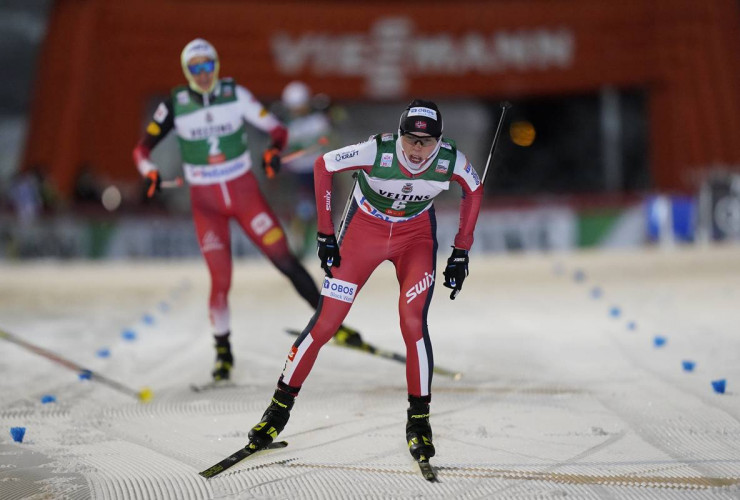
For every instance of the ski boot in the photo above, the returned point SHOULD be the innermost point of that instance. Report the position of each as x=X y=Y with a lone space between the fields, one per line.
x=418 y=430
x=273 y=420
x=348 y=336
x=224 y=358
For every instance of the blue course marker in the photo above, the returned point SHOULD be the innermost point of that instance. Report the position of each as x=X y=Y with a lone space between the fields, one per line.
x=688 y=365
x=129 y=335
x=163 y=306
x=148 y=319
x=615 y=312
x=103 y=352
x=632 y=325
x=596 y=292
x=719 y=385
x=17 y=433
x=659 y=341
x=85 y=375
x=579 y=275
x=48 y=398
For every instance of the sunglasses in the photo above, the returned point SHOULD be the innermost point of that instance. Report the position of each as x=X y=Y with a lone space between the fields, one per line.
x=207 y=67
x=424 y=142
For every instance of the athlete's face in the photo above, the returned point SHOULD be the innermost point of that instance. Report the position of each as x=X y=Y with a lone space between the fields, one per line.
x=418 y=146
x=202 y=68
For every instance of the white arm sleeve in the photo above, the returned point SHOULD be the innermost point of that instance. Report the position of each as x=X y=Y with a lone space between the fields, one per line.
x=254 y=112
x=353 y=156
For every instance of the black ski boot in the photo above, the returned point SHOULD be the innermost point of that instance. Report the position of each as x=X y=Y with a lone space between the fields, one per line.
x=273 y=420
x=348 y=336
x=224 y=358
x=418 y=430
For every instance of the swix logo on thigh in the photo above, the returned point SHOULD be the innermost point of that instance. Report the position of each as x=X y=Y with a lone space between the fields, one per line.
x=261 y=223
x=338 y=289
x=211 y=242
x=419 y=288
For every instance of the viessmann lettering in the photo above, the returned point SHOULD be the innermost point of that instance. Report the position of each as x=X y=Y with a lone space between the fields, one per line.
x=421 y=54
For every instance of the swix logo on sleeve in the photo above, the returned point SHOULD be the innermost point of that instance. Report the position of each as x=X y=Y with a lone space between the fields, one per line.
x=418 y=289
x=338 y=289
x=327 y=200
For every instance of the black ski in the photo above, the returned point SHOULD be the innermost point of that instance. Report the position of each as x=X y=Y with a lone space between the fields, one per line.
x=376 y=351
x=213 y=384
x=426 y=469
x=237 y=457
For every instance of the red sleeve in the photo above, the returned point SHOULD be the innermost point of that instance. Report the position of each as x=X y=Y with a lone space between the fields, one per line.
x=322 y=181
x=141 y=152
x=279 y=137
x=469 y=210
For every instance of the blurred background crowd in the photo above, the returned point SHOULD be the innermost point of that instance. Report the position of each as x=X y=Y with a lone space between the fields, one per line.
x=621 y=134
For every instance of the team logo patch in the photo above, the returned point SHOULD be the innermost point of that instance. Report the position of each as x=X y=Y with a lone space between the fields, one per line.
x=183 y=97
x=261 y=223
x=445 y=145
x=442 y=166
x=161 y=113
x=338 y=289
x=153 y=129
x=273 y=235
x=228 y=91
x=407 y=188
x=386 y=159
x=386 y=137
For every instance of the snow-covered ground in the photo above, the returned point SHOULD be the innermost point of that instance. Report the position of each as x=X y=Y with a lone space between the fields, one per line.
x=573 y=387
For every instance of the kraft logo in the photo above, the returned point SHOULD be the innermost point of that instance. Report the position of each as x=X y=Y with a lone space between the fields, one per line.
x=339 y=290
x=346 y=155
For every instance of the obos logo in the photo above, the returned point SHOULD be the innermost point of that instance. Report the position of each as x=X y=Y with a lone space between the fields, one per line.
x=338 y=289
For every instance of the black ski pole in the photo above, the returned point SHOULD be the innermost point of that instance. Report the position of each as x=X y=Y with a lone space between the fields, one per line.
x=505 y=105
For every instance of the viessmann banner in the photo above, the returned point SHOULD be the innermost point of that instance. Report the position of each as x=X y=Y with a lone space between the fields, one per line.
x=393 y=50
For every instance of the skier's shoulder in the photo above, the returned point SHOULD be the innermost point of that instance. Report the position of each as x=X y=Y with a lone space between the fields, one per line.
x=384 y=139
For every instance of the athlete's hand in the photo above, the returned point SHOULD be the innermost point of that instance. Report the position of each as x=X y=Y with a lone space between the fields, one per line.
x=271 y=161
x=328 y=252
x=456 y=271
x=153 y=182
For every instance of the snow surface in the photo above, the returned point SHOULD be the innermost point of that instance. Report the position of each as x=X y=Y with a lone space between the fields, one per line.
x=566 y=392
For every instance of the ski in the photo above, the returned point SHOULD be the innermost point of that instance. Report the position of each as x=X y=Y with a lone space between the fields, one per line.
x=376 y=351
x=213 y=384
x=426 y=469
x=237 y=457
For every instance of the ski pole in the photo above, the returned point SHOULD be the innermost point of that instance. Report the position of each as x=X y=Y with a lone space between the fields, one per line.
x=322 y=141
x=144 y=394
x=504 y=108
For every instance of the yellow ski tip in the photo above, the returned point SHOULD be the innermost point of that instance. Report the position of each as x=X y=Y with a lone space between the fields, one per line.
x=146 y=395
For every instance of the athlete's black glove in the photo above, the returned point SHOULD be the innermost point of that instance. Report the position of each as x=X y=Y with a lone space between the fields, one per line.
x=152 y=182
x=271 y=161
x=456 y=271
x=328 y=252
